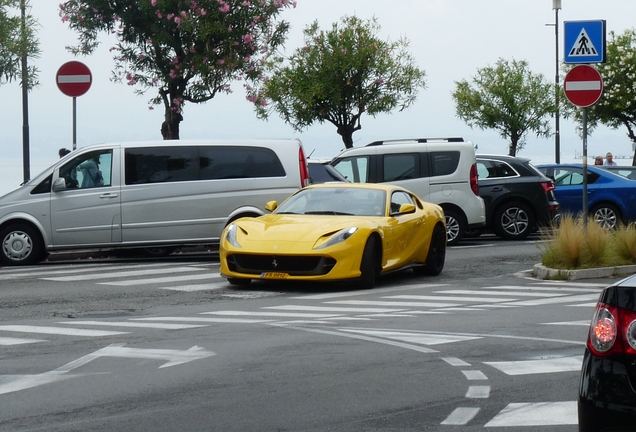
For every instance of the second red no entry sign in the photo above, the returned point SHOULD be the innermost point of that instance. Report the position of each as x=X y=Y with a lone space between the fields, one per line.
x=583 y=86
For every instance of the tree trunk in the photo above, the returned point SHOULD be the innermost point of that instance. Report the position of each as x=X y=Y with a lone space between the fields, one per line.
x=170 y=126
x=346 y=132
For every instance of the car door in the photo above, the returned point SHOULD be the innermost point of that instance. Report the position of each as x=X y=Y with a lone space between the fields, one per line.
x=402 y=236
x=569 y=188
x=87 y=210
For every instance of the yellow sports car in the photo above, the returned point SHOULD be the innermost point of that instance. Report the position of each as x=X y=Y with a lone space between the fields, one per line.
x=333 y=231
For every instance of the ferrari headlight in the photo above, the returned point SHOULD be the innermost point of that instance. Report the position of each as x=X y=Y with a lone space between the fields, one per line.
x=338 y=237
x=230 y=235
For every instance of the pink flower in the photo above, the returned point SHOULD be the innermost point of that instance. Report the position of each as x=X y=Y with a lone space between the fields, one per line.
x=153 y=2
x=177 y=20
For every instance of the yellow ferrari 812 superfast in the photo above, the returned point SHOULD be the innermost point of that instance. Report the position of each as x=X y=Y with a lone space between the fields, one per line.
x=336 y=232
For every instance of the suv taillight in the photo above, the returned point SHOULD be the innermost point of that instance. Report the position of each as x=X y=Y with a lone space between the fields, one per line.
x=474 y=185
x=304 y=170
x=548 y=186
x=613 y=330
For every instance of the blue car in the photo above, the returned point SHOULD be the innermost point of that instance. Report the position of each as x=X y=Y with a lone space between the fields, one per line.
x=611 y=198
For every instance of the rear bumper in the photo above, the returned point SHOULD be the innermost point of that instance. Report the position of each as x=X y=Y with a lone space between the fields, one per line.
x=607 y=399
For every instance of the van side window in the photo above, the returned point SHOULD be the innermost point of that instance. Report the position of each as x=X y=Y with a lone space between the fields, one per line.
x=355 y=169
x=43 y=187
x=88 y=170
x=444 y=162
x=226 y=162
x=400 y=166
x=161 y=164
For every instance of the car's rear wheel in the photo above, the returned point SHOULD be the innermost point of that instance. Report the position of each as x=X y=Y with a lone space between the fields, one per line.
x=455 y=227
x=436 y=254
x=21 y=245
x=606 y=215
x=514 y=221
x=239 y=281
x=369 y=266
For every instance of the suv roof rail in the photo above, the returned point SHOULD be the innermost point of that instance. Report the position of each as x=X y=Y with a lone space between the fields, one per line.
x=416 y=140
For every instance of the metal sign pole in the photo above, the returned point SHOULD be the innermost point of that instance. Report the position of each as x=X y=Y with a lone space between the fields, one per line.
x=585 y=167
x=74 y=123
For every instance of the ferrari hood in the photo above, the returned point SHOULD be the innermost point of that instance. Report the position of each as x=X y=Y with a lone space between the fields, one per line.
x=298 y=228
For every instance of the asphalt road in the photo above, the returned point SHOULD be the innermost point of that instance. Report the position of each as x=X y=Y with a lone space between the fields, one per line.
x=106 y=345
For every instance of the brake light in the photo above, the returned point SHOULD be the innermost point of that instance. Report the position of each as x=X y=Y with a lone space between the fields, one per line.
x=474 y=185
x=613 y=330
x=304 y=170
x=548 y=186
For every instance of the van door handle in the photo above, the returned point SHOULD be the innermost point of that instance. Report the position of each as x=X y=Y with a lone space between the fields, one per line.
x=108 y=195
x=497 y=189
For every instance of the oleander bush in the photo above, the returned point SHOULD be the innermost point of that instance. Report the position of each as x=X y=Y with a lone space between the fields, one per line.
x=578 y=244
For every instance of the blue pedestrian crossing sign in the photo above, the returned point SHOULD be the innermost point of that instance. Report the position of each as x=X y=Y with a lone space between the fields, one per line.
x=584 y=41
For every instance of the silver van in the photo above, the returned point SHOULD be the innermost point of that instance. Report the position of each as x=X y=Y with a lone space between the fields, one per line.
x=153 y=194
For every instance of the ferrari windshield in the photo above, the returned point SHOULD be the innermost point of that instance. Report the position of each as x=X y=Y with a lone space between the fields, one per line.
x=336 y=201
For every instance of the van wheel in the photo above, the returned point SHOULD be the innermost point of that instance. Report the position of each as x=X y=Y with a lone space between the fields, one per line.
x=21 y=245
x=436 y=254
x=239 y=281
x=455 y=227
x=514 y=221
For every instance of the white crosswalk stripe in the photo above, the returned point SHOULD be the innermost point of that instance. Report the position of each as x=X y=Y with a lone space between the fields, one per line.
x=536 y=414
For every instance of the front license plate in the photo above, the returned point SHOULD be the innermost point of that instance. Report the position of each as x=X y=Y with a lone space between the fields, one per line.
x=274 y=275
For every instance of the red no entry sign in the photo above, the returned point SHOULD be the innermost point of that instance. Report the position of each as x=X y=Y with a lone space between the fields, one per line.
x=583 y=86
x=73 y=78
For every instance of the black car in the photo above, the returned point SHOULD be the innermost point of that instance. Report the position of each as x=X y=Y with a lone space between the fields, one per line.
x=517 y=196
x=607 y=389
x=322 y=172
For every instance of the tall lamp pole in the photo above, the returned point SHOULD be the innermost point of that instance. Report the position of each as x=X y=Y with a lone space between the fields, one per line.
x=25 y=97
x=556 y=5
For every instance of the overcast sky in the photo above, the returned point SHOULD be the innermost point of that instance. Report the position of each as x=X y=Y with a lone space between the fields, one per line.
x=450 y=40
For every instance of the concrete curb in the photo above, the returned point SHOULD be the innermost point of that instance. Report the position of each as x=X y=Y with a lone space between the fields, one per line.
x=542 y=272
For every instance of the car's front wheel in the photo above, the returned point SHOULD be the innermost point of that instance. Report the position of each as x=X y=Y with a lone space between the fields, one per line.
x=606 y=215
x=436 y=254
x=369 y=266
x=21 y=245
x=514 y=221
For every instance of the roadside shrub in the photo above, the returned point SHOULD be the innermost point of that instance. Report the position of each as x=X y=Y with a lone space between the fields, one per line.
x=625 y=243
x=597 y=241
x=564 y=245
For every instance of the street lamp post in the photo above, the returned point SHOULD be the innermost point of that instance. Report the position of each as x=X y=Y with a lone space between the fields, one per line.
x=556 y=5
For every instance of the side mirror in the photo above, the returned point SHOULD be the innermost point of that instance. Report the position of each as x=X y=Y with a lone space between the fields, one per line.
x=407 y=208
x=59 y=185
x=271 y=206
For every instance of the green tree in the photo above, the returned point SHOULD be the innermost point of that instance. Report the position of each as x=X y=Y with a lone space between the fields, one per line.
x=617 y=106
x=16 y=43
x=338 y=75
x=188 y=50
x=508 y=98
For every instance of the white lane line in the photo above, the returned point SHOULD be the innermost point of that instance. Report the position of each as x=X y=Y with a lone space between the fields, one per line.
x=363 y=293
x=59 y=331
x=543 y=366
x=6 y=341
x=539 y=288
x=583 y=323
x=536 y=414
x=460 y=299
x=478 y=392
x=414 y=337
x=555 y=300
x=271 y=314
x=501 y=293
x=135 y=324
x=574 y=284
x=454 y=361
x=206 y=320
x=587 y=305
x=394 y=303
x=198 y=287
x=334 y=309
x=167 y=279
x=474 y=375
x=461 y=416
x=120 y=274
x=68 y=270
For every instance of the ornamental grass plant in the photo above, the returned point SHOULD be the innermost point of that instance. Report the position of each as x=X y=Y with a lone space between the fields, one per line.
x=575 y=244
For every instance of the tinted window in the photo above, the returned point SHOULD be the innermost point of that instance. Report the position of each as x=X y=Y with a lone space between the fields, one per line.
x=161 y=164
x=239 y=162
x=400 y=166
x=43 y=187
x=444 y=162
x=572 y=176
x=88 y=170
x=323 y=173
x=355 y=169
x=494 y=169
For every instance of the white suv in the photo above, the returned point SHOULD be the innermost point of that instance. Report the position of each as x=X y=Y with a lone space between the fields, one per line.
x=439 y=170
